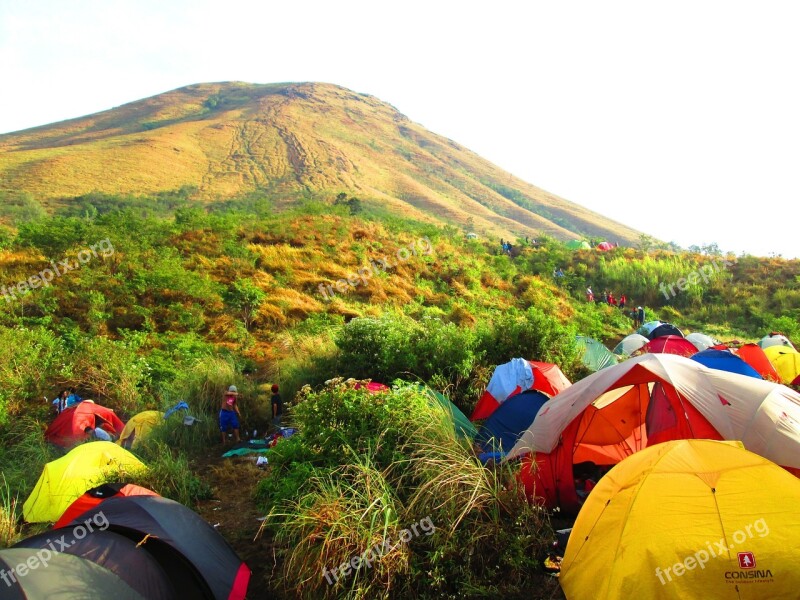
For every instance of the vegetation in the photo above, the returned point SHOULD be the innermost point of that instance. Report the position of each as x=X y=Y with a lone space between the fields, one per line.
x=178 y=301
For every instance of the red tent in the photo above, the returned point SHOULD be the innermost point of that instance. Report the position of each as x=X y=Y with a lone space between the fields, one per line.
x=671 y=344
x=97 y=495
x=68 y=427
x=604 y=246
x=517 y=376
x=754 y=356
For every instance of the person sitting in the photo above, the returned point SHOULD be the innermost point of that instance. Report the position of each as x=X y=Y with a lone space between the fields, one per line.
x=229 y=414
x=98 y=434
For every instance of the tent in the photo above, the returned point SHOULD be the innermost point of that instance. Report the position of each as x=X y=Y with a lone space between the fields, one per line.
x=98 y=494
x=578 y=245
x=646 y=400
x=725 y=360
x=68 y=427
x=65 y=576
x=516 y=376
x=176 y=532
x=66 y=478
x=111 y=551
x=504 y=426
x=685 y=520
x=630 y=344
x=786 y=361
x=373 y=387
x=670 y=344
x=463 y=426
x=775 y=339
x=647 y=328
x=754 y=356
x=604 y=246
x=595 y=356
x=701 y=341
x=664 y=329
x=137 y=428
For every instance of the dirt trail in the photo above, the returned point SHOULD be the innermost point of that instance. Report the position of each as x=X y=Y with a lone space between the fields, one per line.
x=234 y=514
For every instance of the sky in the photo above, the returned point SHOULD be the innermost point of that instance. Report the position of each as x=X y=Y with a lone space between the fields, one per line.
x=679 y=119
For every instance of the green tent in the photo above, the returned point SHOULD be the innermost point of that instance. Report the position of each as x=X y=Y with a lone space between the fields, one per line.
x=463 y=426
x=595 y=356
x=578 y=245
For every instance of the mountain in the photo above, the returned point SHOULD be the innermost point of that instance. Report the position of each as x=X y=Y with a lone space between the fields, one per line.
x=291 y=140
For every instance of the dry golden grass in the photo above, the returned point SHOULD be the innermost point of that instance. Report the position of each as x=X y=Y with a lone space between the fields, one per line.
x=231 y=138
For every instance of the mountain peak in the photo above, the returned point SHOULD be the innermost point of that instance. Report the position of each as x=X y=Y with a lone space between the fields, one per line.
x=226 y=139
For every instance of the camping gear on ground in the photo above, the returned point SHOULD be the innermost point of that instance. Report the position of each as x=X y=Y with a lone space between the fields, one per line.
x=504 y=426
x=516 y=376
x=725 y=360
x=81 y=469
x=111 y=551
x=754 y=356
x=702 y=341
x=630 y=344
x=646 y=400
x=786 y=361
x=179 y=406
x=96 y=496
x=775 y=339
x=670 y=344
x=65 y=576
x=137 y=428
x=595 y=355
x=69 y=426
x=687 y=519
x=173 y=533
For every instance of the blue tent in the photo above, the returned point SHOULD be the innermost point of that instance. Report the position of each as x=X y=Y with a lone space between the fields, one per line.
x=722 y=360
x=504 y=426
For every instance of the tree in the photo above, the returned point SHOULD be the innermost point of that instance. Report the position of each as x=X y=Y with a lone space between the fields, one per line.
x=246 y=297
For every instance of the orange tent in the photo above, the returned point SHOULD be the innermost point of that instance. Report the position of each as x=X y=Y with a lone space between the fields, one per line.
x=754 y=356
x=646 y=400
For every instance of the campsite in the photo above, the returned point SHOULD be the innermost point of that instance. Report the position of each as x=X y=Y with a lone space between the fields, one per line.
x=282 y=340
x=436 y=444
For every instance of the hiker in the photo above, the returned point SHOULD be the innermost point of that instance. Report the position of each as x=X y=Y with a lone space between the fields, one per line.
x=60 y=403
x=640 y=315
x=277 y=407
x=72 y=399
x=98 y=433
x=622 y=300
x=589 y=294
x=229 y=414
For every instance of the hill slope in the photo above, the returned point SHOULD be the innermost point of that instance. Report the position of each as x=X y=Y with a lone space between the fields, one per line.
x=229 y=139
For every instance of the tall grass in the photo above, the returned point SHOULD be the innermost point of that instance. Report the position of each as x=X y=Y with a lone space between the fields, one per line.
x=9 y=516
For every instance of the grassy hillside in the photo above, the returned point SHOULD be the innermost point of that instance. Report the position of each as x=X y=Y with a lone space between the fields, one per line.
x=139 y=302
x=223 y=140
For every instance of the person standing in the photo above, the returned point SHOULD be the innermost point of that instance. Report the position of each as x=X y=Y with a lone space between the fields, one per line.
x=640 y=315
x=622 y=301
x=229 y=414
x=277 y=407
x=589 y=294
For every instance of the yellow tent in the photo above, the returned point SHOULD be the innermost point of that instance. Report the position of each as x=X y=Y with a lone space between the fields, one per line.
x=137 y=428
x=66 y=478
x=687 y=519
x=786 y=361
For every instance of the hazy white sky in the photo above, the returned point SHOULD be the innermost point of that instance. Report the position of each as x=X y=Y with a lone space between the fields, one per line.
x=680 y=119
